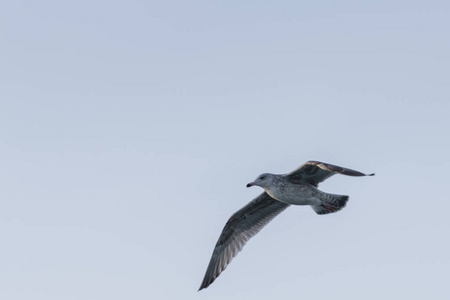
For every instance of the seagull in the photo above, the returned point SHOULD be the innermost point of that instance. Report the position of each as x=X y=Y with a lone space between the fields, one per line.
x=298 y=187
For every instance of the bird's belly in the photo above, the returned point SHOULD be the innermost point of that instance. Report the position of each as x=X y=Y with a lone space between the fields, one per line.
x=296 y=195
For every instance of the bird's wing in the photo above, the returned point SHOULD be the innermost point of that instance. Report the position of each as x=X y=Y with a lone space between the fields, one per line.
x=243 y=225
x=314 y=172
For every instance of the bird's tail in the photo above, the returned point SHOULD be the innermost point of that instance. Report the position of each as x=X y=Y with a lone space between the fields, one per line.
x=330 y=203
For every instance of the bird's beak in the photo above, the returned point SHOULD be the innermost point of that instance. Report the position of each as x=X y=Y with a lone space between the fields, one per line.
x=250 y=184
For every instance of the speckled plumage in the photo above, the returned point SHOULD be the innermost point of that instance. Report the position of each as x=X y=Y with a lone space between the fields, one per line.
x=298 y=187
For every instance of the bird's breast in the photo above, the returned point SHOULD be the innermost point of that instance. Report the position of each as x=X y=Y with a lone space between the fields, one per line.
x=297 y=194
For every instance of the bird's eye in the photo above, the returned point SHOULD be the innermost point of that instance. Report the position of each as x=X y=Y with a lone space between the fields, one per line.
x=262 y=177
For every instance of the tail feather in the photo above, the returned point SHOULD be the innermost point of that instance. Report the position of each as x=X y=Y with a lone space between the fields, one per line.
x=331 y=203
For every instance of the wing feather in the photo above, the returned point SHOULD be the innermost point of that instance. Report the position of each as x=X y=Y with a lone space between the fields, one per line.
x=314 y=172
x=241 y=227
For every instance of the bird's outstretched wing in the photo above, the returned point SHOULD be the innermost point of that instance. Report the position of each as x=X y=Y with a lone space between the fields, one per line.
x=314 y=172
x=243 y=225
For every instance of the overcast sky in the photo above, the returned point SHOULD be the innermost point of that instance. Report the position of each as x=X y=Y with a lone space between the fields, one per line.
x=129 y=129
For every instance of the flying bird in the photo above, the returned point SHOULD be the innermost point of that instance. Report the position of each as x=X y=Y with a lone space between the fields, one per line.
x=298 y=187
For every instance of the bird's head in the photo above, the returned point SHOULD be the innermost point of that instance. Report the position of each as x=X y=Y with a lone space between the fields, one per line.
x=263 y=180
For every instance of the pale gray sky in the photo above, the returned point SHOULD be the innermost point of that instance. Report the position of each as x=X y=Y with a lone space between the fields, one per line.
x=129 y=129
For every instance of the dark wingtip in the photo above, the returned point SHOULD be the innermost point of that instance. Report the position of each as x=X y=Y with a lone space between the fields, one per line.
x=373 y=174
x=204 y=285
